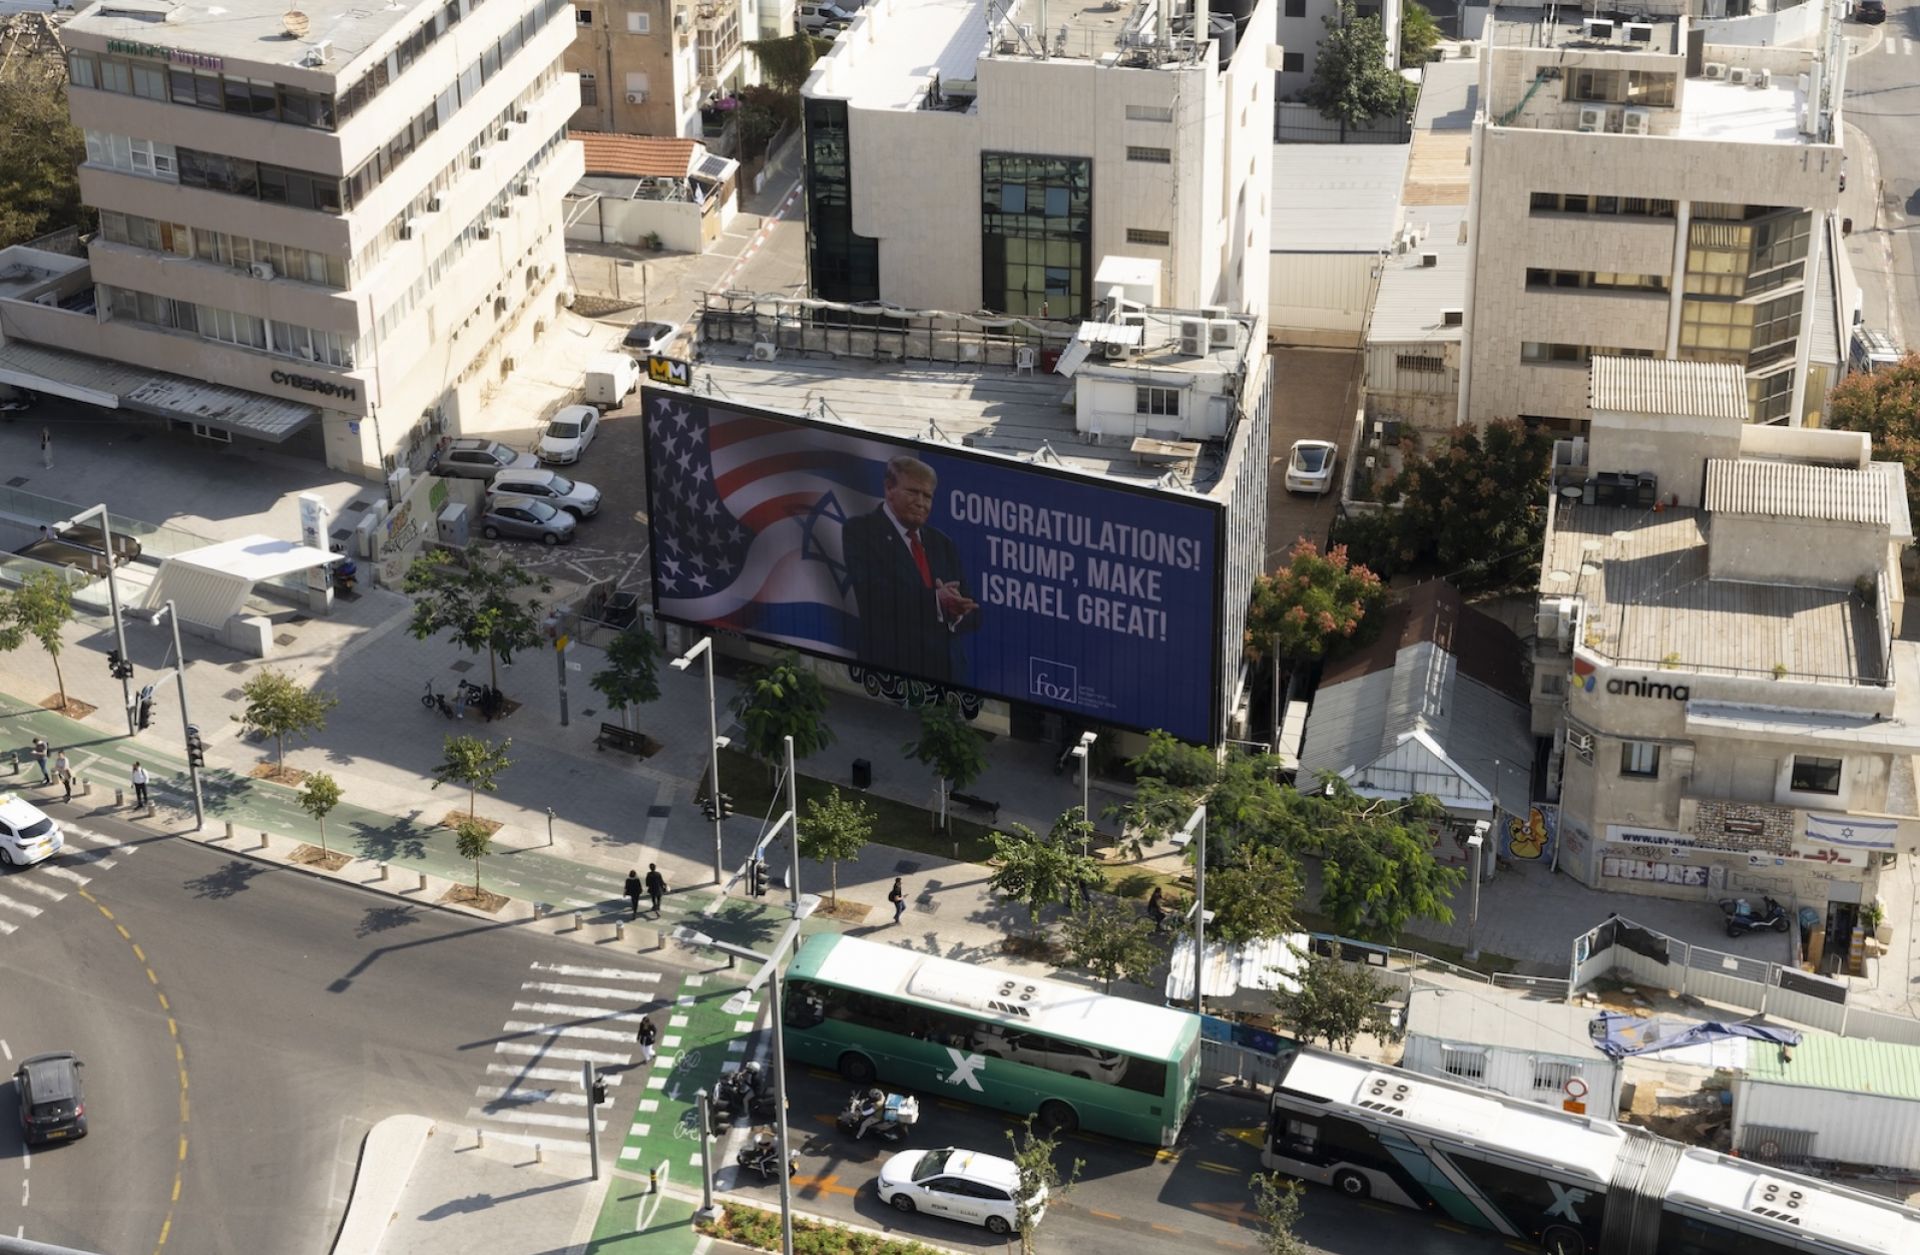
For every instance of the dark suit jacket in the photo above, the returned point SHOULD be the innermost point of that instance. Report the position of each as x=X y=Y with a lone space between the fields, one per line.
x=900 y=626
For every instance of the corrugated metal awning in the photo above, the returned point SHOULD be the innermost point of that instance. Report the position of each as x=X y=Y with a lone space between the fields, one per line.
x=114 y=385
x=1270 y=963
x=1795 y=490
x=211 y=584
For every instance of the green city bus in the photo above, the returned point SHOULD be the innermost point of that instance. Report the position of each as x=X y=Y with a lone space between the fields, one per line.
x=1072 y=1058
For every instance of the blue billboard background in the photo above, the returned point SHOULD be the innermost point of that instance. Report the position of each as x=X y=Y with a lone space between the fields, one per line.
x=1020 y=582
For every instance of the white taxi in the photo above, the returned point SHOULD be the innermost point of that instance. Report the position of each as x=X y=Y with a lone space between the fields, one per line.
x=960 y=1185
x=27 y=836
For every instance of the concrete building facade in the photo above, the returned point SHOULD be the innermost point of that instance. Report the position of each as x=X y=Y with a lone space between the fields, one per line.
x=645 y=66
x=1641 y=191
x=961 y=157
x=352 y=210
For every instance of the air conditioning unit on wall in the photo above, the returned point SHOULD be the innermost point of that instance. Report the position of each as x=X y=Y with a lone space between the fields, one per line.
x=636 y=98
x=261 y=270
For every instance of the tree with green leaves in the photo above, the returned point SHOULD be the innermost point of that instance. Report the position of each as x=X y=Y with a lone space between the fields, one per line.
x=1251 y=895
x=1110 y=939
x=835 y=828
x=1038 y=871
x=472 y=840
x=318 y=796
x=1352 y=82
x=473 y=763
x=40 y=152
x=483 y=603
x=1276 y=1200
x=1316 y=606
x=1335 y=1002
x=1041 y=1181
x=631 y=676
x=277 y=706
x=1885 y=404
x=1474 y=508
x=786 y=62
x=41 y=607
x=780 y=700
x=950 y=745
x=1419 y=35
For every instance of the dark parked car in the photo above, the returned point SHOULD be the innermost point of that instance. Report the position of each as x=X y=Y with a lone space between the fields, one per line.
x=50 y=1105
x=1872 y=12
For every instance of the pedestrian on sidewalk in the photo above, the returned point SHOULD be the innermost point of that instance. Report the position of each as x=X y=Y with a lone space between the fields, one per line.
x=1156 y=911
x=646 y=1037
x=139 y=785
x=40 y=759
x=633 y=891
x=63 y=772
x=46 y=447
x=898 y=896
x=656 y=887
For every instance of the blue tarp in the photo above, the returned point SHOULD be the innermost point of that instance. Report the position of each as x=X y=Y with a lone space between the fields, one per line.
x=1617 y=1034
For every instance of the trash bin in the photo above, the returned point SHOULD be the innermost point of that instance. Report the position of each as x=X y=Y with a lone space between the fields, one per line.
x=862 y=774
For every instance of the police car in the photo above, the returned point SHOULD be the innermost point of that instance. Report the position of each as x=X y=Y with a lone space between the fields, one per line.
x=27 y=836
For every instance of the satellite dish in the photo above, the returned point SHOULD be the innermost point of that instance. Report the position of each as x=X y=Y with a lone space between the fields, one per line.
x=295 y=23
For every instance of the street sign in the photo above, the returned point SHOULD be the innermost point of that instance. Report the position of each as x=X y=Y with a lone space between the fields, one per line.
x=560 y=642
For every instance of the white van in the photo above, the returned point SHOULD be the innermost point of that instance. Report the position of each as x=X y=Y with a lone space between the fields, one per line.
x=610 y=376
x=822 y=16
x=1872 y=350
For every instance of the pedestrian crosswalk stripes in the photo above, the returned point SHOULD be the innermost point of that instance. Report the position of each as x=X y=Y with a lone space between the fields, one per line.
x=508 y=1097
x=560 y=1052
x=565 y=1076
x=596 y=1014
x=61 y=873
x=539 y=1119
x=19 y=908
x=583 y=991
x=27 y=884
x=565 y=1030
x=28 y=891
x=599 y=973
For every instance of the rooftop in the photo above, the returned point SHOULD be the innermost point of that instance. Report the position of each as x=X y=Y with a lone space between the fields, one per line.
x=636 y=156
x=1643 y=575
x=252 y=30
x=1521 y=1023
x=1719 y=110
x=1668 y=387
x=1442 y=132
x=1853 y=1064
x=1336 y=198
x=1522 y=27
x=1796 y=490
x=1413 y=294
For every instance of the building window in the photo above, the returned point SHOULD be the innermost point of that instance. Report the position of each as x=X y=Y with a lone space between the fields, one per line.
x=1160 y=402
x=1640 y=758
x=1149 y=113
x=589 y=91
x=1553 y=684
x=1036 y=234
x=1551 y=1077
x=583 y=16
x=1153 y=156
x=842 y=265
x=1293 y=62
x=1469 y=1063
x=1582 y=203
x=1141 y=235
x=1538 y=278
x=1815 y=775
x=1295 y=8
x=639 y=23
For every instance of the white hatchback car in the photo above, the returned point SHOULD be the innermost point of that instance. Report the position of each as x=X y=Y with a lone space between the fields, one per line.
x=1310 y=466
x=958 y=1184
x=568 y=435
x=27 y=836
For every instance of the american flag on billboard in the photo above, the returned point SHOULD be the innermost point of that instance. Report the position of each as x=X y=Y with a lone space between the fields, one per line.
x=747 y=514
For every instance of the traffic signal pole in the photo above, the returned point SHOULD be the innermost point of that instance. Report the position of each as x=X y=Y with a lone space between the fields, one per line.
x=195 y=750
x=596 y=1091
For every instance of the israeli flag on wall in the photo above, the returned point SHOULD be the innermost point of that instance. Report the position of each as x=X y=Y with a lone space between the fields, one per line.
x=1853 y=833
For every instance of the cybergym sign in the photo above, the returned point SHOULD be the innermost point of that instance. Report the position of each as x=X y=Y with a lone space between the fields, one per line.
x=1586 y=678
x=176 y=56
x=307 y=383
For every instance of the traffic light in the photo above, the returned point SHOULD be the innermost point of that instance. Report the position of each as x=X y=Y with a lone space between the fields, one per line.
x=196 y=748
x=144 y=715
x=757 y=878
x=118 y=667
x=599 y=1091
x=726 y=807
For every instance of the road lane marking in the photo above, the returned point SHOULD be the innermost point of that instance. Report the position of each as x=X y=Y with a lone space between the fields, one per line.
x=53 y=870
x=28 y=911
x=1219 y=1167
x=1107 y=1215
x=497 y=1095
x=829 y=1184
x=565 y=1076
x=597 y=973
x=23 y=883
x=561 y=1052
x=564 y=1030
x=598 y=1014
x=577 y=991
x=536 y=1118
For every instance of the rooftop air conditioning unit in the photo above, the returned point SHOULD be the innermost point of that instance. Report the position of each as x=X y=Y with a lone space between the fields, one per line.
x=433 y=204
x=408 y=227
x=1223 y=333
x=1213 y=311
x=1739 y=75
x=261 y=270
x=1762 y=78
x=1593 y=117
x=484 y=233
x=636 y=98
x=520 y=117
x=1597 y=28
x=1636 y=122
x=1114 y=350
x=764 y=351
x=1638 y=32
x=1716 y=69
x=501 y=138
x=1193 y=336
x=522 y=188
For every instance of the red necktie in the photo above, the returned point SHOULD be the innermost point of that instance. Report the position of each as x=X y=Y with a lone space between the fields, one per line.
x=919 y=557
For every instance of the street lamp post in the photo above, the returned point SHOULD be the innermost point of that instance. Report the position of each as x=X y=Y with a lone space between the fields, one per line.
x=1475 y=844
x=1083 y=754
x=1198 y=819
x=704 y=649
x=186 y=720
x=113 y=599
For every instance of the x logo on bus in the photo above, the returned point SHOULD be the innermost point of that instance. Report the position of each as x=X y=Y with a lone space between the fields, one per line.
x=964 y=1069
x=1564 y=1199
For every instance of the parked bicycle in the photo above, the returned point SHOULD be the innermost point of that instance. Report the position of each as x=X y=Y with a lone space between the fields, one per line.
x=438 y=701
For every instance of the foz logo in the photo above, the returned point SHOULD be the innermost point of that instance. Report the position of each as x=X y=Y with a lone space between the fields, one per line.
x=1054 y=681
x=1583 y=675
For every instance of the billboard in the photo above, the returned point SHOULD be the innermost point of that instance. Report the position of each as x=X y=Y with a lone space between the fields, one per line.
x=958 y=568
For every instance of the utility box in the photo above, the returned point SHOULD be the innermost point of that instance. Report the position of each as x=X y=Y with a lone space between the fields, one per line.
x=454 y=525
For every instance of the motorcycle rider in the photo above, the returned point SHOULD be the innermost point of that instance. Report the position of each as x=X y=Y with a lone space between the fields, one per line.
x=872 y=1112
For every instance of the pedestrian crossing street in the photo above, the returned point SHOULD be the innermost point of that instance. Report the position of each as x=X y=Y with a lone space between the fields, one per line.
x=28 y=892
x=563 y=1016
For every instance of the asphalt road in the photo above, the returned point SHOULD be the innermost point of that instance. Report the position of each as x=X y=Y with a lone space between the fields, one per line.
x=1883 y=100
x=305 y=1011
x=1194 y=1199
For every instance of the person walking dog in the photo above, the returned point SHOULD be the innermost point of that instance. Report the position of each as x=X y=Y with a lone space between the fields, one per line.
x=139 y=785
x=656 y=886
x=633 y=891
x=898 y=896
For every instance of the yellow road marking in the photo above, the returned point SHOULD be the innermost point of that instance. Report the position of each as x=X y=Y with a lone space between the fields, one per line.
x=122 y=930
x=1220 y=1167
x=1106 y=1215
x=829 y=1184
x=138 y=953
x=165 y=1005
x=1166 y=1228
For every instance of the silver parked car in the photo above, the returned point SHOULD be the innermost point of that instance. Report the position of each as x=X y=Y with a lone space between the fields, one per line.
x=472 y=458
x=576 y=497
x=525 y=518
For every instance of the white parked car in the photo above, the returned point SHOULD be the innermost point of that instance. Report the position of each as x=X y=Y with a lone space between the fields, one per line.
x=569 y=434
x=1310 y=466
x=27 y=836
x=958 y=1184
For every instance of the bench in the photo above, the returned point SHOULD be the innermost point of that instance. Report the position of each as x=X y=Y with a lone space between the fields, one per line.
x=621 y=739
x=968 y=800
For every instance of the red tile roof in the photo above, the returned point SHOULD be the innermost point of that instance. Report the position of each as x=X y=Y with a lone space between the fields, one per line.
x=635 y=156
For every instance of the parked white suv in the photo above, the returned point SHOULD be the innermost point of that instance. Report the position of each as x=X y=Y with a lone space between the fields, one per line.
x=958 y=1184
x=823 y=16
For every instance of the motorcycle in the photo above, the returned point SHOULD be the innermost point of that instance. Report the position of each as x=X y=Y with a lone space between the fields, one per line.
x=1742 y=918
x=889 y=1115
x=484 y=697
x=762 y=1154
x=438 y=701
x=741 y=1094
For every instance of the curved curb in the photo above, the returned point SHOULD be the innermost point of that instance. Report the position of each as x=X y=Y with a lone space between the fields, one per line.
x=387 y=1157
